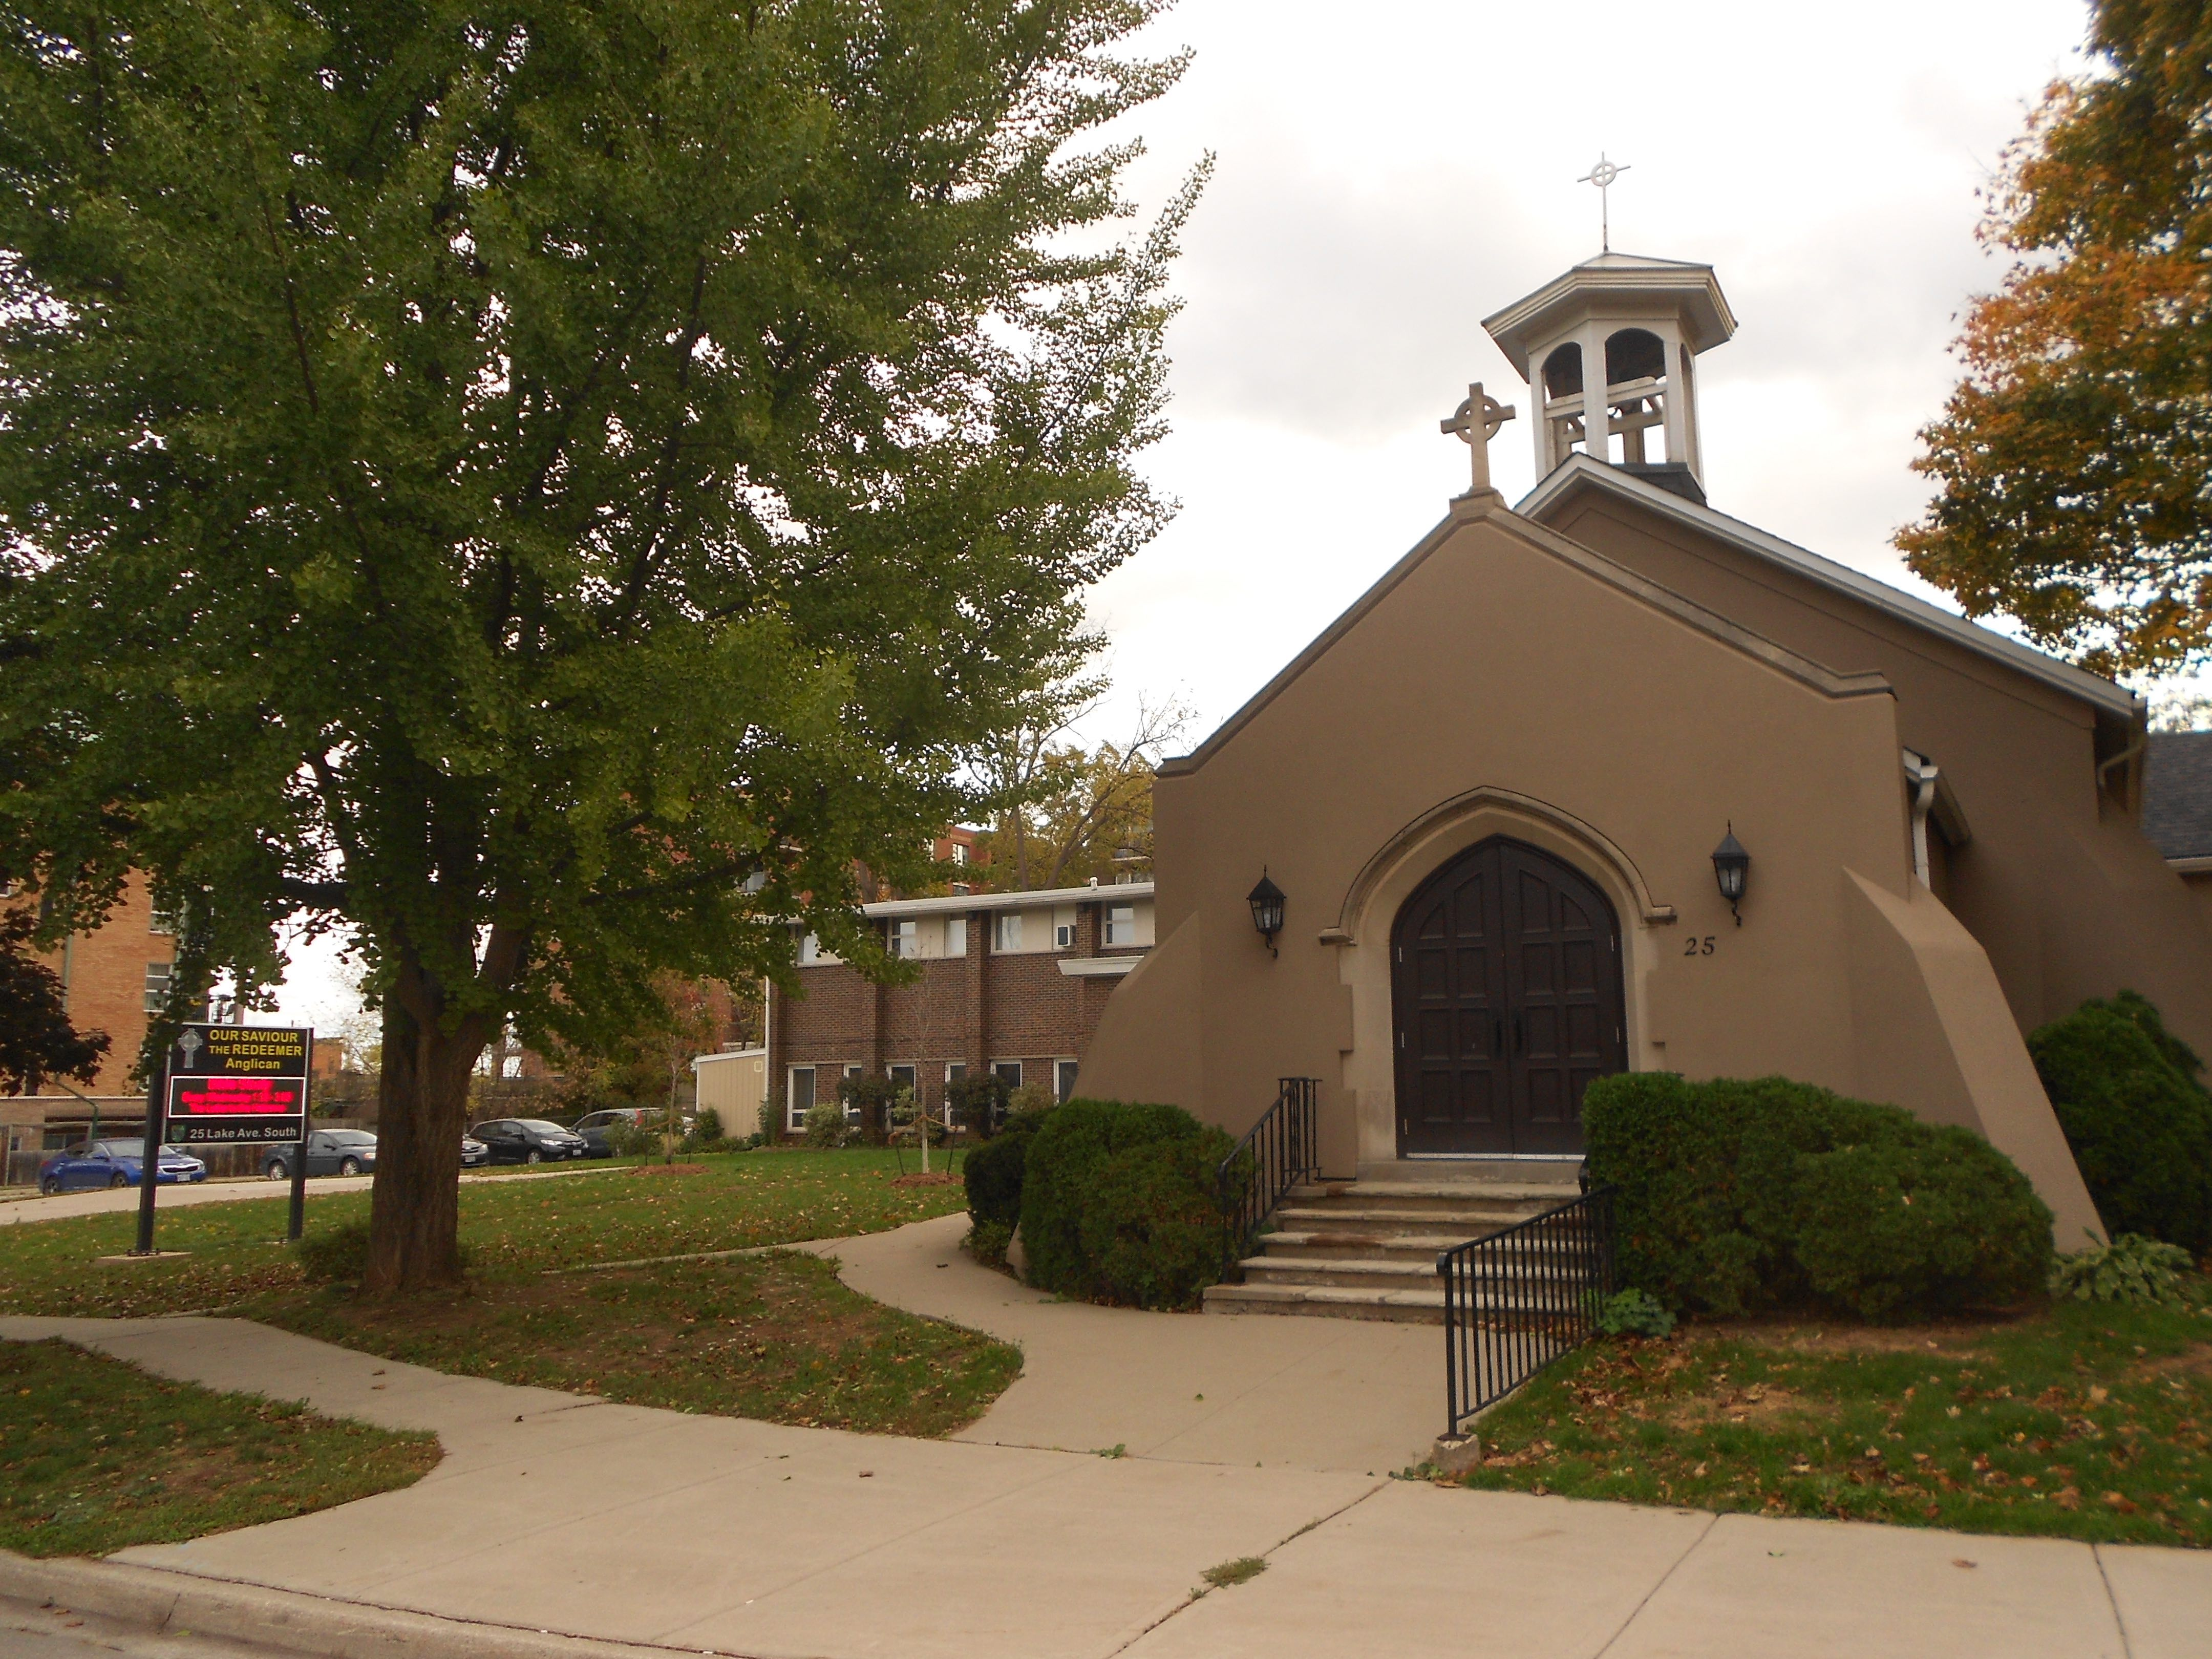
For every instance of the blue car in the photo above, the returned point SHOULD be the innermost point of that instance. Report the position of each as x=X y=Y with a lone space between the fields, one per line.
x=113 y=1164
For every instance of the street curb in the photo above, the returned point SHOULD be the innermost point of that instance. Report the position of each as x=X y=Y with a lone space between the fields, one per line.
x=174 y=1603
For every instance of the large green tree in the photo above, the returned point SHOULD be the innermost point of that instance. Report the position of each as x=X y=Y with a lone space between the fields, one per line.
x=547 y=487
x=2072 y=458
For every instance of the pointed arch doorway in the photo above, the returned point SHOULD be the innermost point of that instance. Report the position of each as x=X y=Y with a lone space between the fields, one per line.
x=1506 y=997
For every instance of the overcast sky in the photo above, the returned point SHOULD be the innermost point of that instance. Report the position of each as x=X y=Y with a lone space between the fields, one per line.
x=1389 y=174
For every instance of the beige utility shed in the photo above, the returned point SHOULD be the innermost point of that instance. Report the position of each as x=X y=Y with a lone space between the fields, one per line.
x=1491 y=791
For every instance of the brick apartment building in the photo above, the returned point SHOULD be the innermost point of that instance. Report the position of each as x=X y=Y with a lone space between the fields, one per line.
x=111 y=979
x=1012 y=981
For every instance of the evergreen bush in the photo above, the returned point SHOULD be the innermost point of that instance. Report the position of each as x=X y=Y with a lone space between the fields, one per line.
x=2127 y=1095
x=993 y=1172
x=872 y=1099
x=979 y=1100
x=1118 y=1203
x=825 y=1125
x=1737 y=1195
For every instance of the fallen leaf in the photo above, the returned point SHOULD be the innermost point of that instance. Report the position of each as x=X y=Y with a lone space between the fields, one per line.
x=1960 y=1561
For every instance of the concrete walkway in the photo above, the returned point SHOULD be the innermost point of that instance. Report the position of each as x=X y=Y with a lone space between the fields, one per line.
x=553 y=1512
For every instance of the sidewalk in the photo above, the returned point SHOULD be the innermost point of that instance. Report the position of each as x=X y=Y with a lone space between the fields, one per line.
x=551 y=1512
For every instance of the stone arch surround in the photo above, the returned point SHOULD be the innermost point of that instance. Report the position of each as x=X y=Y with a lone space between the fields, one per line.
x=1371 y=901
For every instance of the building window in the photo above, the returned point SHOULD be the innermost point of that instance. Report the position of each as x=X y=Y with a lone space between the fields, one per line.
x=956 y=936
x=905 y=938
x=1009 y=1071
x=1120 y=924
x=809 y=950
x=1063 y=936
x=165 y=919
x=511 y=1066
x=908 y=1080
x=801 y=1098
x=1009 y=931
x=954 y=1069
x=960 y=851
x=853 y=1108
x=1063 y=1078
x=157 y=985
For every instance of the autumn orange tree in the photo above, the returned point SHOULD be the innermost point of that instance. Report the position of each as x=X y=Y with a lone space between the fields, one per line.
x=2074 y=454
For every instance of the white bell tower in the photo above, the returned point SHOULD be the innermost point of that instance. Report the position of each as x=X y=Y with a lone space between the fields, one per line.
x=1606 y=349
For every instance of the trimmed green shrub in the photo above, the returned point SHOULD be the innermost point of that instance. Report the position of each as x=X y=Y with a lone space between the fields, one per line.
x=993 y=1172
x=987 y=1241
x=1119 y=1205
x=2131 y=1269
x=979 y=1101
x=1742 y=1194
x=768 y=1124
x=2126 y=1093
x=872 y=1098
x=825 y=1125
x=1635 y=1313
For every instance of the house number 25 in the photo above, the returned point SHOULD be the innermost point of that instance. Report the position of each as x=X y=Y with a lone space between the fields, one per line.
x=1695 y=946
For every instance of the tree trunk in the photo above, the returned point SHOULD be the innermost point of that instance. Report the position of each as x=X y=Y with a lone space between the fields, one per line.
x=422 y=1106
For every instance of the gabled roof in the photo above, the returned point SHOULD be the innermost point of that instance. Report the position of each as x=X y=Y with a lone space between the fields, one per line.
x=2177 y=794
x=1470 y=509
x=1578 y=472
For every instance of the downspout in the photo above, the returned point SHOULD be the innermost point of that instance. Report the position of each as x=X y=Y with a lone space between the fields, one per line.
x=767 y=1063
x=2104 y=767
x=1922 y=774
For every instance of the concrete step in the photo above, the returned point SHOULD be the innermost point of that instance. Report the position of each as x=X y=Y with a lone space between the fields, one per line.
x=1466 y=1171
x=1343 y=1271
x=1466 y=1221
x=1414 y=1195
x=1340 y=1244
x=1328 y=1302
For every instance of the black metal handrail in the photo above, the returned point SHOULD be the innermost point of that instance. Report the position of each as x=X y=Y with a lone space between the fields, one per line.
x=1281 y=1151
x=1519 y=1298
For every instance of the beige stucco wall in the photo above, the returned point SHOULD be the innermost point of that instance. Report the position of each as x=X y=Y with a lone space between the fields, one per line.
x=1502 y=681
x=2059 y=884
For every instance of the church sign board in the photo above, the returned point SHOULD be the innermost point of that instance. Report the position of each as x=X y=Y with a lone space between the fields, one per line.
x=239 y=1083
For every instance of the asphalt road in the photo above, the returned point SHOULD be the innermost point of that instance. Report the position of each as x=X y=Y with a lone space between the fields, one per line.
x=106 y=1200
x=55 y=1632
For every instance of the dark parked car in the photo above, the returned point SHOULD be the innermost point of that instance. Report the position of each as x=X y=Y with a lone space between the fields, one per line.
x=474 y=1152
x=330 y=1151
x=527 y=1141
x=113 y=1164
x=595 y=1127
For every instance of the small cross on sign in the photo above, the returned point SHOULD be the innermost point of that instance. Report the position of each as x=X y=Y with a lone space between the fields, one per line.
x=1475 y=422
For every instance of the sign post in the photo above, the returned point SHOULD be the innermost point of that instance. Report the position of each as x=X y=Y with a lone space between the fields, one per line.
x=149 y=1153
x=233 y=1084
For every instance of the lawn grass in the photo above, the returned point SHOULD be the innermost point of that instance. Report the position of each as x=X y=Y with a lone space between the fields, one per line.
x=96 y=1454
x=774 y=1337
x=2073 y=1420
x=596 y=1214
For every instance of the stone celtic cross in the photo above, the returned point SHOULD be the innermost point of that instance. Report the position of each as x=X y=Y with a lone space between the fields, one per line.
x=1475 y=422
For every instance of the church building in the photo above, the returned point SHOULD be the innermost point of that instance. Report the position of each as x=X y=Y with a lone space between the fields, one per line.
x=1609 y=781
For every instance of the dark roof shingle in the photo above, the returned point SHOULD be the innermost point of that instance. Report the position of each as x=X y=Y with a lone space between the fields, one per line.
x=2176 y=810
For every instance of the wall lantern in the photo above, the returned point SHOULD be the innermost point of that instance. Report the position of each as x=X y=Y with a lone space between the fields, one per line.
x=1731 y=868
x=1267 y=902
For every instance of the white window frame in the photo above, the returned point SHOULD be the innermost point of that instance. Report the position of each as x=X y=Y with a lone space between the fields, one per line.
x=1120 y=927
x=810 y=949
x=158 y=977
x=794 y=1118
x=1063 y=1078
x=904 y=938
x=954 y=1071
x=956 y=936
x=1000 y=1067
x=1063 y=936
x=1006 y=932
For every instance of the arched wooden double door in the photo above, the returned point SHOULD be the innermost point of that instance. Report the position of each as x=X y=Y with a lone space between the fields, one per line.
x=1506 y=989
